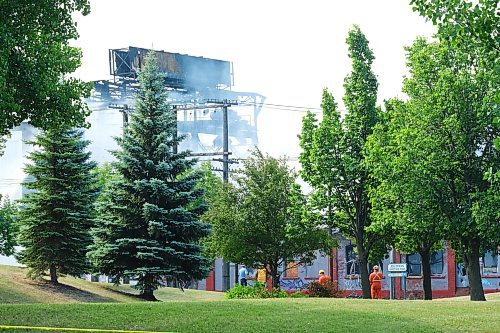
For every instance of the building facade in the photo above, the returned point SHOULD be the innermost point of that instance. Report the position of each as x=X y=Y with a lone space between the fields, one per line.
x=448 y=274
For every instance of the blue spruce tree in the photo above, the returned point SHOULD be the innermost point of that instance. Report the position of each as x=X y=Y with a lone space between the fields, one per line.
x=148 y=223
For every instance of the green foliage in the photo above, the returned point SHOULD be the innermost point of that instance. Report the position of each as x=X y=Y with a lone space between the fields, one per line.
x=262 y=221
x=56 y=218
x=148 y=219
x=8 y=226
x=404 y=199
x=35 y=59
x=298 y=294
x=332 y=157
x=316 y=289
x=472 y=25
x=433 y=153
x=3 y=141
x=258 y=290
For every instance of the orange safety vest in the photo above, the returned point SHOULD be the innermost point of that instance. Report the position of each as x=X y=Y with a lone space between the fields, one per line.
x=376 y=277
x=261 y=275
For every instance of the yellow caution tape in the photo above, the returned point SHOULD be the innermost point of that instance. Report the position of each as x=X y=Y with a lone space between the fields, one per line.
x=72 y=329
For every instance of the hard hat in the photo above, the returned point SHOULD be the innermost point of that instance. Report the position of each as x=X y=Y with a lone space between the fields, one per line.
x=375 y=267
x=321 y=271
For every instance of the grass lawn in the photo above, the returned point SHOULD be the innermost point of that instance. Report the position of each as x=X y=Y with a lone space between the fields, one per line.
x=269 y=315
x=16 y=288
x=101 y=306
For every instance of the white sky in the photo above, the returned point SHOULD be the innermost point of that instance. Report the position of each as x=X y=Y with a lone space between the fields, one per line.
x=286 y=50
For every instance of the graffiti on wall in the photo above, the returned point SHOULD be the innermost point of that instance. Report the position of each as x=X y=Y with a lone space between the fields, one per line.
x=292 y=284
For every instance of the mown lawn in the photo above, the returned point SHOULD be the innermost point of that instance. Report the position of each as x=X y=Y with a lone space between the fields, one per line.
x=269 y=315
x=15 y=288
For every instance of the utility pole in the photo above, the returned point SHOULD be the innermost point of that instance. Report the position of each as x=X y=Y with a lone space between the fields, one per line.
x=225 y=144
x=124 y=109
x=226 y=266
x=175 y=148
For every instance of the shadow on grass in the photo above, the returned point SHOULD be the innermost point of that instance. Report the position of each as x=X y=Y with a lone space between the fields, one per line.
x=135 y=296
x=73 y=293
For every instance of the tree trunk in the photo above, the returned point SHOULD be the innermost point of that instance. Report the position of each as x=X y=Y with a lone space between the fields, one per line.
x=53 y=273
x=425 y=254
x=363 y=269
x=275 y=277
x=148 y=295
x=471 y=262
x=148 y=288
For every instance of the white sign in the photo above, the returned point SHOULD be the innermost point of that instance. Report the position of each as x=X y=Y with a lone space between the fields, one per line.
x=397 y=267
x=398 y=274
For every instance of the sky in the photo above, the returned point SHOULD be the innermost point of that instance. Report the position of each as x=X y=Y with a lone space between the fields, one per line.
x=287 y=51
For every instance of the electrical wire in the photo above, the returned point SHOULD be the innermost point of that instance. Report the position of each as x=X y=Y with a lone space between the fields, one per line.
x=281 y=107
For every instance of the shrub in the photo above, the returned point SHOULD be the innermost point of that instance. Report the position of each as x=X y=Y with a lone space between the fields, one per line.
x=316 y=289
x=257 y=291
x=239 y=291
x=298 y=294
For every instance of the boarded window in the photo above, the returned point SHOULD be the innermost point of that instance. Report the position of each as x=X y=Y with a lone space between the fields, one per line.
x=292 y=270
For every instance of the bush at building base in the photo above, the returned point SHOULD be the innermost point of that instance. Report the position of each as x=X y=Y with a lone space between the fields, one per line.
x=257 y=291
x=316 y=289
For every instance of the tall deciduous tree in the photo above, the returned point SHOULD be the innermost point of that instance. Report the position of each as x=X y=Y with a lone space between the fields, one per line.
x=468 y=24
x=263 y=220
x=148 y=224
x=35 y=57
x=471 y=26
x=56 y=217
x=8 y=226
x=333 y=155
x=405 y=198
x=450 y=110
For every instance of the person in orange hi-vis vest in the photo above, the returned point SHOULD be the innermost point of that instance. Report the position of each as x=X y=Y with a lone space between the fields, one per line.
x=376 y=283
x=261 y=275
x=323 y=279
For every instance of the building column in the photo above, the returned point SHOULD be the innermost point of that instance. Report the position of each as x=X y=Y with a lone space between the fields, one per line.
x=335 y=273
x=452 y=271
x=210 y=280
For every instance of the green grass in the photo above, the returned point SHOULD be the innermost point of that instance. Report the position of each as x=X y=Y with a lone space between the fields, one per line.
x=199 y=311
x=15 y=288
x=269 y=315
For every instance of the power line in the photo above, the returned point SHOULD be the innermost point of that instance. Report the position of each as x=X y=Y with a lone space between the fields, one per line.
x=281 y=107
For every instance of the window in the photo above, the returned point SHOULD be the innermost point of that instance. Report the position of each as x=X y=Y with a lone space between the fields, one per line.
x=292 y=270
x=414 y=262
x=352 y=262
x=490 y=261
x=350 y=258
x=437 y=262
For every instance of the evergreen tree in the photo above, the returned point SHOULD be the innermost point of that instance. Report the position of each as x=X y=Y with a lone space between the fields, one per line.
x=8 y=226
x=148 y=223
x=56 y=217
